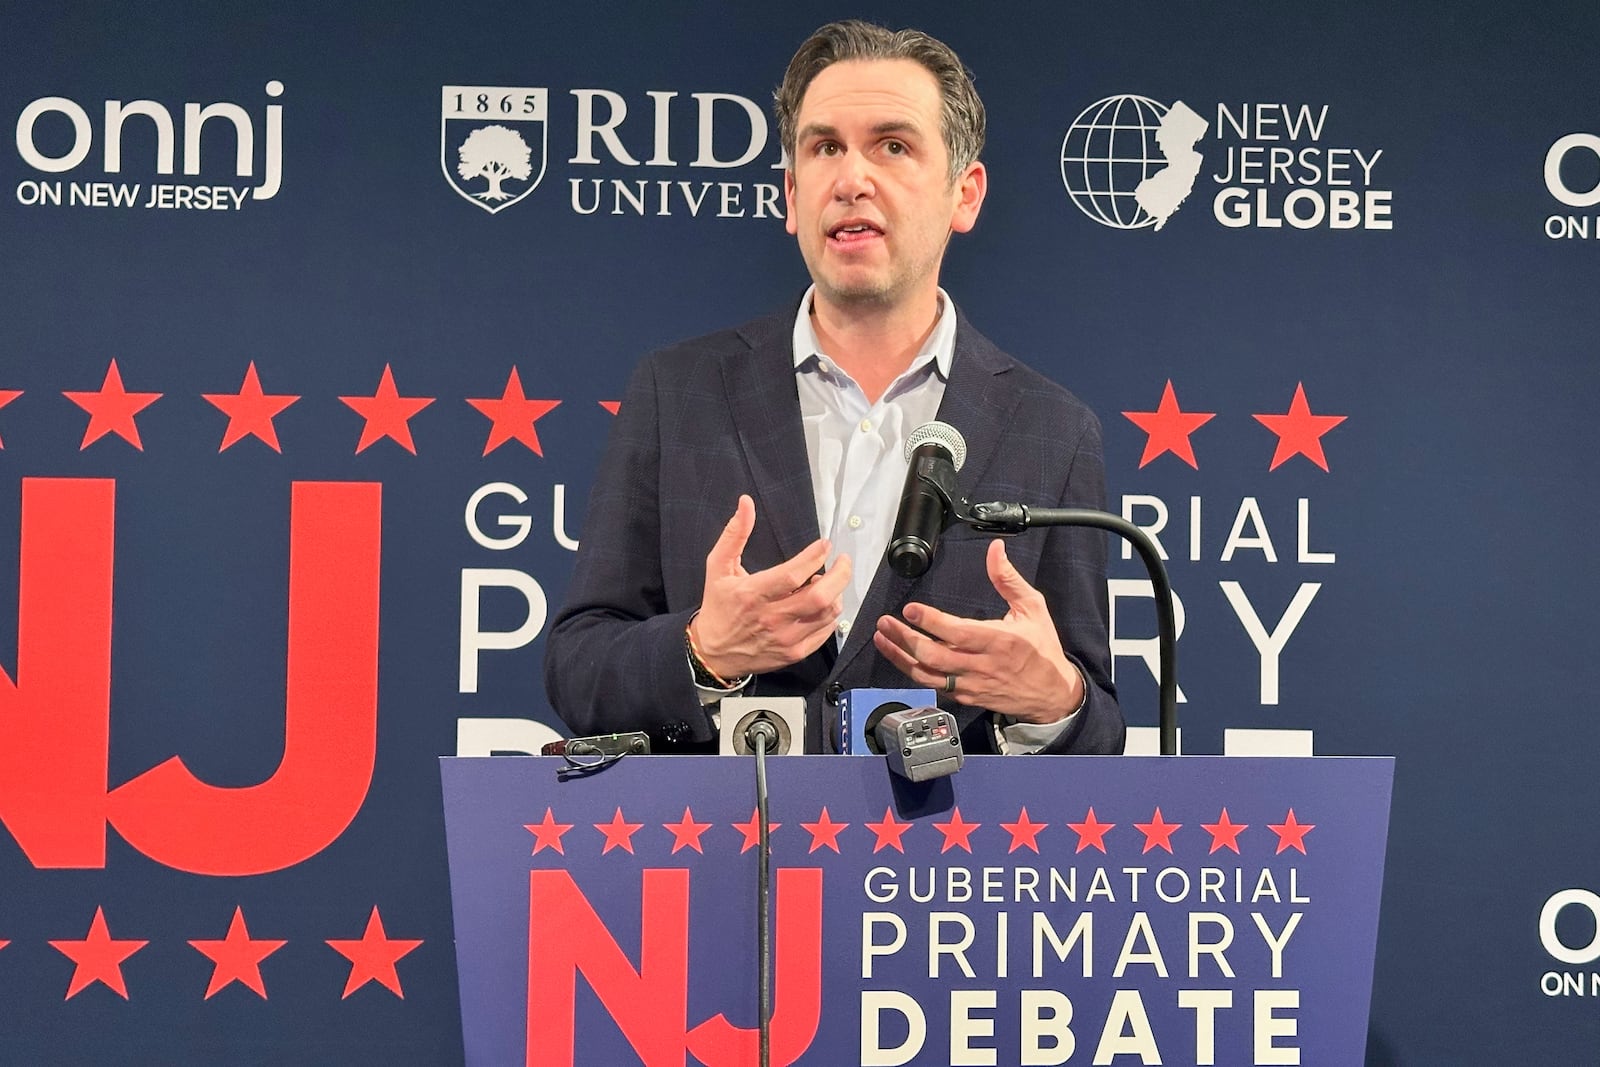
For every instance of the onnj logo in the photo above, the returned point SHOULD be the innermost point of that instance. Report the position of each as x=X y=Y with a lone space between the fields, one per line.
x=1129 y=162
x=1571 y=938
x=1572 y=176
x=492 y=142
x=59 y=136
x=1556 y=177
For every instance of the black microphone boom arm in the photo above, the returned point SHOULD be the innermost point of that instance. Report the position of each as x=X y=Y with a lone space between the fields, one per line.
x=1005 y=520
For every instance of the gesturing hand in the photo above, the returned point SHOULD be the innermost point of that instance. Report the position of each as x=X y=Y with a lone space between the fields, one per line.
x=1014 y=666
x=753 y=623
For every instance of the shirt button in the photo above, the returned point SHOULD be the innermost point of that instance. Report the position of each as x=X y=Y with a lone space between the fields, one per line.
x=844 y=626
x=866 y=425
x=855 y=522
x=824 y=366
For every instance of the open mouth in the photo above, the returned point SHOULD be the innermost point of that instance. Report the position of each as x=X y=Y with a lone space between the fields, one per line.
x=853 y=232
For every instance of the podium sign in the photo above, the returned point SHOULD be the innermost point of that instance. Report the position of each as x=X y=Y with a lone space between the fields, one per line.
x=1060 y=910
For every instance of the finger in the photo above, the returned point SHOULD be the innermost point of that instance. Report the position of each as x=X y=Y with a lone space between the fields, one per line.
x=828 y=585
x=921 y=674
x=809 y=607
x=817 y=637
x=897 y=656
x=1009 y=582
x=826 y=616
x=819 y=602
x=921 y=649
x=953 y=630
x=794 y=573
x=725 y=554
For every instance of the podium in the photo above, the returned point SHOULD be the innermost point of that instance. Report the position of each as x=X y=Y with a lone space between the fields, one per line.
x=1029 y=910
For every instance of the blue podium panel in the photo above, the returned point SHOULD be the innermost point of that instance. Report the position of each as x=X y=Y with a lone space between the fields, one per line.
x=1066 y=910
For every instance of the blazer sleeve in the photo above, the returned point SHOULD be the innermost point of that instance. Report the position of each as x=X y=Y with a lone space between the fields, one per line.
x=614 y=655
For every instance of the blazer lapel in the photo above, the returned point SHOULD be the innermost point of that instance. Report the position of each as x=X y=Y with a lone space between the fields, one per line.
x=766 y=411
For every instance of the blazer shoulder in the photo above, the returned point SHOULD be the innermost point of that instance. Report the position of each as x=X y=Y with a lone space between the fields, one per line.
x=1033 y=386
x=758 y=335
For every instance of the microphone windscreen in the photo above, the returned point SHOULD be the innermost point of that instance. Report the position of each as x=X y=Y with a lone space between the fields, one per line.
x=940 y=433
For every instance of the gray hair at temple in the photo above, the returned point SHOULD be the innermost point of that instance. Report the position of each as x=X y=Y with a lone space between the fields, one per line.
x=962 y=121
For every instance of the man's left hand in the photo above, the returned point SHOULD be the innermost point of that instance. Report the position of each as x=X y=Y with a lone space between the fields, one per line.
x=1014 y=666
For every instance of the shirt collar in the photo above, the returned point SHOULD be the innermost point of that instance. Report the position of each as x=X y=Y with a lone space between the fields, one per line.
x=940 y=346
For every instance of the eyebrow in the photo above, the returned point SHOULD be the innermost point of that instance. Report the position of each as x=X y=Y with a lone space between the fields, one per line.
x=818 y=129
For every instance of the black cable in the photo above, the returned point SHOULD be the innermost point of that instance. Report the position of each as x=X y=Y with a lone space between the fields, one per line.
x=577 y=768
x=763 y=901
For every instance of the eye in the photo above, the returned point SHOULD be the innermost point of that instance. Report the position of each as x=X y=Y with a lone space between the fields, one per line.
x=827 y=148
x=895 y=148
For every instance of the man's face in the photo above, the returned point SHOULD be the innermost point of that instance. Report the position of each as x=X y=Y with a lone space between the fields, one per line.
x=870 y=196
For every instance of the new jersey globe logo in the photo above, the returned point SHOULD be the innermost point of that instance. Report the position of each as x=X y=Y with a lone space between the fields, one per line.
x=1130 y=162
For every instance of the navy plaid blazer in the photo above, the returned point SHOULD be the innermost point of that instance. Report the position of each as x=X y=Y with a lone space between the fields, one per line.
x=706 y=420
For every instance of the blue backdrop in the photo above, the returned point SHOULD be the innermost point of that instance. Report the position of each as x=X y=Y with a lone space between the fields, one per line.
x=1380 y=287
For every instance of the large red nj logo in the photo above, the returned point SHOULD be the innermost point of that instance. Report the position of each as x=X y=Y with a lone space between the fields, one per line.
x=650 y=1005
x=56 y=798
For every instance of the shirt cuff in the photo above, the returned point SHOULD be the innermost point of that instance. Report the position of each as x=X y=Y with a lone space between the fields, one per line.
x=1025 y=738
x=1013 y=738
x=709 y=695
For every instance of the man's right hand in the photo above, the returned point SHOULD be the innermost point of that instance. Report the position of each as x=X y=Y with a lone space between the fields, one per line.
x=754 y=623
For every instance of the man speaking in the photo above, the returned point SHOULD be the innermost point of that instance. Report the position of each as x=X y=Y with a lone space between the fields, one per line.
x=735 y=536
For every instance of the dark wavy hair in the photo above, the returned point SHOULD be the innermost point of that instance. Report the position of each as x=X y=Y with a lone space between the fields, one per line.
x=962 y=123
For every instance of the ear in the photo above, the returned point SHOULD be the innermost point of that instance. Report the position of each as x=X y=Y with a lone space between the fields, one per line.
x=788 y=202
x=970 y=189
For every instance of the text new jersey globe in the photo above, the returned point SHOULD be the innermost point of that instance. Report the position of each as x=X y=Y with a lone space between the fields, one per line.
x=1109 y=149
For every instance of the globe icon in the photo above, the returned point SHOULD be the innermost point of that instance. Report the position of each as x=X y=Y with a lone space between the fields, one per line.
x=1109 y=149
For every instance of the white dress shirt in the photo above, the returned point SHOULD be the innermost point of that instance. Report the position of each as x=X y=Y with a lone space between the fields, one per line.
x=857 y=449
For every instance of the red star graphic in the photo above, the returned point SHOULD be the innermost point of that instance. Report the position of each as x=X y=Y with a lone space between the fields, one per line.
x=1091 y=832
x=1299 y=432
x=1168 y=428
x=1224 y=832
x=824 y=832
x=1291 y=833
x=98 y=958
x=1024 y=832
x=514 y=415
x=373 y=957
x=237 y=957
x=752 y=831
x=8 y=395
x=388 y=414
x=889 y=832
x=619 y=834
x=250 y=411
x=111 y=410
x=1157 y=832
x=547 y=833
x=612 y=406
x=957 y=832
x=686 y=834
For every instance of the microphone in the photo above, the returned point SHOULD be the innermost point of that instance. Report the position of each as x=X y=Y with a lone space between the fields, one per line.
x=920 y=743
x=873 y=737
x=859 y=710
x=781 y=720
x=935 y=451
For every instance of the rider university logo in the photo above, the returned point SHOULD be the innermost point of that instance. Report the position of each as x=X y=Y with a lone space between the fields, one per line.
x=1129 y=161
x=492 y=142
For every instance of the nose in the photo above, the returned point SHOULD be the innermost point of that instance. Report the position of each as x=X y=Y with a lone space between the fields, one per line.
x=852 y=180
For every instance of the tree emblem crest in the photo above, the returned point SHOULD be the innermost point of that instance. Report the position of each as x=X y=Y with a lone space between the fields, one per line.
x=492 y=142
